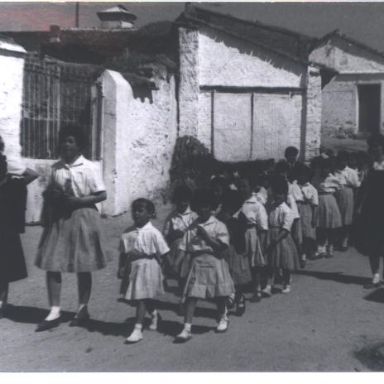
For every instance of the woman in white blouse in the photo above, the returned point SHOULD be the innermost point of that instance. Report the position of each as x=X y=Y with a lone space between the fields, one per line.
x=72 y=238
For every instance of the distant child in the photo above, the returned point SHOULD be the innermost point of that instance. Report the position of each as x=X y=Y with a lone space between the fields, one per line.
x=255 y=219
x=238 y=260
x=143 y=248
x=218 y=185
x=291 y=155
x=328 y=218
x=349 y=180
x=260 y=186
x=294 y=195
x=209 y=277
x=282 y=253
x=308 y=207
x=175 y=227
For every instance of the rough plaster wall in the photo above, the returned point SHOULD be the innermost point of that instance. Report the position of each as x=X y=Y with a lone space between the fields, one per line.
x=227 y=61
x=11 y=91
x=339 y=107
x=142 y=133
x=312 y=138
x=188 y=83
x=324 y=55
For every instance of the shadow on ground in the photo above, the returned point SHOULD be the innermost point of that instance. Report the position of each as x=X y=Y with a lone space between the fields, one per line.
x=339 y=277
x=372 y=356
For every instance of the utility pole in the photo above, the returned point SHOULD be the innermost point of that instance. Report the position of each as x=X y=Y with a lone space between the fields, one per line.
x=77 y=14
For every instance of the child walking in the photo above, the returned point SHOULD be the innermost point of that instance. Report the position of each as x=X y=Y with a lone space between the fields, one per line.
x=238 y=260
x=349 y=181
x=175 y=227
x=143 y=248
x=281 y=251
x=308 y=207
x=209 y=277
x=255 y=219
x=328 y=218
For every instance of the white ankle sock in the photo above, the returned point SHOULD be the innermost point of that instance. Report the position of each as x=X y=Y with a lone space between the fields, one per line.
x=53 y=314
x=188 y=326
x=138 y=326
x=1 y=304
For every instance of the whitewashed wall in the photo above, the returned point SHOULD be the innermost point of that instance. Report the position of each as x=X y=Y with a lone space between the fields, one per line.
x=11 y=93
x=139 y=138
x=211 y=60
x=340 y=95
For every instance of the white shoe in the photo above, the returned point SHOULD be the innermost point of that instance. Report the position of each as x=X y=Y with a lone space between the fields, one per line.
x=286 y=289
x=155 y=317
x=134 y=337
x=267 y=290
x=184 y=336
x=223 y=324
x=376 y=279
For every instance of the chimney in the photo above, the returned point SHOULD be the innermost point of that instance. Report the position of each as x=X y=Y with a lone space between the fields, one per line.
x=54 y=34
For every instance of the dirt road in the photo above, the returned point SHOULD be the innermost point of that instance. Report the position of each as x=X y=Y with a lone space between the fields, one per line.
x=327 y=323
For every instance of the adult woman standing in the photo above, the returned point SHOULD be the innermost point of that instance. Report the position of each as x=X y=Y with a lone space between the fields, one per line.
x=72 y=238
x=370 y=228
x=13 y=193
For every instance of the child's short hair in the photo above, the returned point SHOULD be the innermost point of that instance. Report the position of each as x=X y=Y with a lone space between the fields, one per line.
x=291 y=151
x=232 y=200
x=282 y=167
x=342 y=156
x=76 y=131
x=203 y=198
x=182 y=193
x=279 y=185
x=149 y=206
x=305 y=173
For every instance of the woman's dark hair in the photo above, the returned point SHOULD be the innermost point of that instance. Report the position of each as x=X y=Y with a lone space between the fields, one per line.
x=75 y=131
x=182 y=193
x=376 y=140
x=204 y=198
x=149 y=206
x=279 y=185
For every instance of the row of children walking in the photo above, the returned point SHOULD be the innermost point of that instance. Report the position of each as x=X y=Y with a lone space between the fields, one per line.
x=247 y=227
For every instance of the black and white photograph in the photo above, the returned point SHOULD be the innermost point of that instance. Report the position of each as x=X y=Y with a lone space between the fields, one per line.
x=191 y=187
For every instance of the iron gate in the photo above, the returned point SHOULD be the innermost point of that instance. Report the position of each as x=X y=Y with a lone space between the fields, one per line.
x=56 y=93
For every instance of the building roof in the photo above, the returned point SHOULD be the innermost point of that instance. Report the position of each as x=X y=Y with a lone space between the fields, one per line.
x=95 y=45
x=339 y=36
x=291 y=44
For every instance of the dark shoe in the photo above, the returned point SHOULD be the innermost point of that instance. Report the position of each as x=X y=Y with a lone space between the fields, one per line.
x=303 y=263
x=47 y=324
x=372 y=285
x=80 y=318
x=256 y=298
x=240 y=307
x=2 y=312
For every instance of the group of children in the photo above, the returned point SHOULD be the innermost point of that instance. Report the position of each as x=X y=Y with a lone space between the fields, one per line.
x=246 y=228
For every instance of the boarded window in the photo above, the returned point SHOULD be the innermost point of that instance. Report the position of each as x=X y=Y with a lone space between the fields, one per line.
x=54 y=94
x=254 y=125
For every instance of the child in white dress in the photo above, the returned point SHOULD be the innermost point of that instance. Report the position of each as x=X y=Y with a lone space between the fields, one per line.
x=281 y=251
x=209 y=277
x=143 y=249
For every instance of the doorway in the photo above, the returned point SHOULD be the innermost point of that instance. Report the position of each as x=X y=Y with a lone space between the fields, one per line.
x=369 y=108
